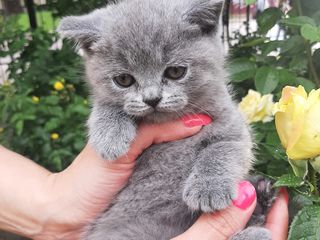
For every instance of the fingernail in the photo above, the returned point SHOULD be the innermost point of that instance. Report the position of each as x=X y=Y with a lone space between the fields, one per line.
x=284 y=193
x=196 y=120
x=246 y=195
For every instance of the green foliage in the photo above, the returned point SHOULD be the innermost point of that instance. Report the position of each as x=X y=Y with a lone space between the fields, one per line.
x=44 y=19
x=306 y=224
x=31 y=109
x=267 y=66
x=268 y=19
x=249 y=2
x=289 y=180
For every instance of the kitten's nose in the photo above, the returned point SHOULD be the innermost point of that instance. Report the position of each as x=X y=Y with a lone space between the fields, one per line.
x=153 y=102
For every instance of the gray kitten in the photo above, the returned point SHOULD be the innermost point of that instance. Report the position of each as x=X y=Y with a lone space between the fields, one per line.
x=154 y=61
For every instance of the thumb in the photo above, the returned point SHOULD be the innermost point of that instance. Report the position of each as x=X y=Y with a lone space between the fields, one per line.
x=223 y=224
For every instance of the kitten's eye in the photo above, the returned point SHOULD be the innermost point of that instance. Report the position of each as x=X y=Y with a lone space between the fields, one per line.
x=175 y=73
x=124 y=80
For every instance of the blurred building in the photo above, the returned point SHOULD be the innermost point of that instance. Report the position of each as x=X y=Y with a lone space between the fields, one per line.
x=9 y=7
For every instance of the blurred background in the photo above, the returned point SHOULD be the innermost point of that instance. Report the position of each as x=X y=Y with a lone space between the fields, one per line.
x=44 y=101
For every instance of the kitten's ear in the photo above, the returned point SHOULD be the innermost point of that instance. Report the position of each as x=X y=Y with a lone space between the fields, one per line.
x=205 y=14
x=83 y=30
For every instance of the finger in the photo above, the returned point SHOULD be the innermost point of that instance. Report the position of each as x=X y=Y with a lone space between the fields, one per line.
x=278 y=218
x=223 y=224
x=166 y=132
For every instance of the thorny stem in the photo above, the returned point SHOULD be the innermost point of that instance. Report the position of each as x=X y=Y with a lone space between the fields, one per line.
x=314 y=180
x=313 y=71
x=311 y=64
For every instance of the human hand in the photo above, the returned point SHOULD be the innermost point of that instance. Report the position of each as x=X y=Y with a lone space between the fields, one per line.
x=224 y=224
x=83 y=191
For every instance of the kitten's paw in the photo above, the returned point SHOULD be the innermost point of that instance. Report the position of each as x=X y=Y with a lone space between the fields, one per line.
x=113 y=142
x=208 y=194
x=111 y=150
x=266 y=195
x=253 y=233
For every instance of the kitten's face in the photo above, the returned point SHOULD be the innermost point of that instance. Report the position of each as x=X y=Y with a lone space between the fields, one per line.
x=150 y=62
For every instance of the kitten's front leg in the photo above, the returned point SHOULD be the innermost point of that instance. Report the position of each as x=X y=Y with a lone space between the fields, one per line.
x=219 y=166
x=111 y=131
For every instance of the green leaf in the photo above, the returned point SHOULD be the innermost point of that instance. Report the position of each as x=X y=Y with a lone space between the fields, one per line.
x=273 y=139
x=52 y=124
x=286 y=77
x=242 y=69
x=307 y=84
x=306 y=224
x=298 y=21
x=299 y=167
x=249 y=2
x=310 y=32
x=289 y=180
x=254 y=42
x=315 y=163
x=316 y=17
x=294 y=45
x=266 y=79
x=268 y=18
x=299 y=64
x=268 y=47
x=19 y=127
x=51 y=100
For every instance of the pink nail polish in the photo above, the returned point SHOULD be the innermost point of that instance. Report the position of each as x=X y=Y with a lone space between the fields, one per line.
x=196 y=120
x=284 y=193
x=246 y=195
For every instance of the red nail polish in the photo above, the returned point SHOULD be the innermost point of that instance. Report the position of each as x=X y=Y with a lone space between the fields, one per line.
x=284 y=193
x=196 y=120
x=246 y=195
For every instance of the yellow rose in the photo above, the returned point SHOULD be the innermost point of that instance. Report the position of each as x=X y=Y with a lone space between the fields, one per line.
x=256 y=107
x=58 y=86
x=297 y=116
x=35 y=99
x=55 y=136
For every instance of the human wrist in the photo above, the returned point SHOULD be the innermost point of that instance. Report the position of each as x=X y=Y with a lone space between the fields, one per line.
x=24 y=193
x=26 y=218
x=55 y=219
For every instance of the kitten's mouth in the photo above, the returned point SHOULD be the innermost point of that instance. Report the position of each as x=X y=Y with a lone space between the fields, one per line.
x=159 y=114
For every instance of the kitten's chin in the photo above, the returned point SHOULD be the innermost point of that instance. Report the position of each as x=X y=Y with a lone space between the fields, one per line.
x=155 y=116
x=158 y=117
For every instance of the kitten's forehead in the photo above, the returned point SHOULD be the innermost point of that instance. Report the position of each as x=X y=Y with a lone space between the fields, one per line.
x=144 y=32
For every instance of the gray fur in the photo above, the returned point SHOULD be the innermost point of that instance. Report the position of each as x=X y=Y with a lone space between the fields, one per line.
x=253 y=233
x=173 y=182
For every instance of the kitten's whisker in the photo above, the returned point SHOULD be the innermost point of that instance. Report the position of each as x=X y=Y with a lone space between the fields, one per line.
x=200 y=108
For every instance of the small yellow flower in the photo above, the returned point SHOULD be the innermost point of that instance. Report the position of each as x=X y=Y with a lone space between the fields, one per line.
x=55 y=136
x=58 y=86
x=257 y=108
x=35 y=99
x=85 y=102
x=6 y=83
x=297 y=116
x=1 y=130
